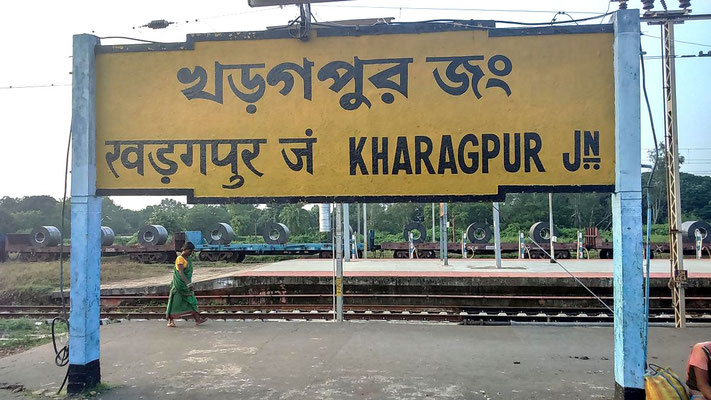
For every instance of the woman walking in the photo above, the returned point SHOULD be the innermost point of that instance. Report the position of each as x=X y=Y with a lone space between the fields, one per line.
x=182 y=301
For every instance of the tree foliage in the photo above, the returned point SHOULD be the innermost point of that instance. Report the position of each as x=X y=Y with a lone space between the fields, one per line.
x=517 y=212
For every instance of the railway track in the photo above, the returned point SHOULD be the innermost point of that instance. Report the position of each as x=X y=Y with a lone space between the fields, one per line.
x=470 y=315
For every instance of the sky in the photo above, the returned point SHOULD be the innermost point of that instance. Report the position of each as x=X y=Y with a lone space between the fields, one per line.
x=37 y=46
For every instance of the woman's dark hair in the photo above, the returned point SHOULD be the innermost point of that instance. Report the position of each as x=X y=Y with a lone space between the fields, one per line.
x=188 y=246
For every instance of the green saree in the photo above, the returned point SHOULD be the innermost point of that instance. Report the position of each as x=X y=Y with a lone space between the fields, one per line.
x=182 y=301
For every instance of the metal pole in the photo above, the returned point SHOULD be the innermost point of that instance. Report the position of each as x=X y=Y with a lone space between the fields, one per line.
x=629 y=362
x=441 y=221
x=346 y=233
x=339 y=264
x=366 y=236
x=497 y=235
x=550 y=225
x=676 y=250
x=84 y=368
x=445 y=239
x=699 y=243
x=357 y=234
x=648 y=258
x=434 y=232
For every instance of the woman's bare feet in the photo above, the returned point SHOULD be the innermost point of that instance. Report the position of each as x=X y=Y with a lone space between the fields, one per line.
x=200 y=321
x=171 y=324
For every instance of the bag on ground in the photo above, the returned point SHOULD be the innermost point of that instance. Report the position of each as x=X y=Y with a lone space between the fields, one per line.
x=663 y=384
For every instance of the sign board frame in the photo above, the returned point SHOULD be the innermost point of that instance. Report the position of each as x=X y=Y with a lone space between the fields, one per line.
x=415 y=29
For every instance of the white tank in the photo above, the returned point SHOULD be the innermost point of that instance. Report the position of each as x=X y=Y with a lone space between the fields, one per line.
x=324 y=217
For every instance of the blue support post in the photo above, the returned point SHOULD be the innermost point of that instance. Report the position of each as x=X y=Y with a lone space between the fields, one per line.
x=627 y=212
x=84 y=371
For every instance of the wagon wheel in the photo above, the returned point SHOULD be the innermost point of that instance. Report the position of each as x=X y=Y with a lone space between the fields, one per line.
x=159 y=258
x=212 y=256
x=224 y=256
x=28 y=257
x=400 y=254
x=238 y=256
x=45 y=256
x=325 y=254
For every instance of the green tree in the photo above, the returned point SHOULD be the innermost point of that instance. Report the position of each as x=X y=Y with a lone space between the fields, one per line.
x=7 y=222
x=169 y=213
x=204 y=218
x=243 y=218
x=296 y=218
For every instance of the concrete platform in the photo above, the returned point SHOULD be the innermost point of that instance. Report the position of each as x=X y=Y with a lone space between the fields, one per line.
x=398 y=276
x=272 y=360
x=465 y=268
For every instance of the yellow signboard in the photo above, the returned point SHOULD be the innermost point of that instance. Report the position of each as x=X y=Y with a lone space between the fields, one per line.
x=374 y=115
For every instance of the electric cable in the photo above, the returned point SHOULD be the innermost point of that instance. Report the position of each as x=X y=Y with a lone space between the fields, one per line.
x=61 y=353
x=449 y=9
x=679 y=41
x=565 y=269
x=649 y=201
x=34 y=86
x=135 y=39
x=471 y=22
x=571 y=274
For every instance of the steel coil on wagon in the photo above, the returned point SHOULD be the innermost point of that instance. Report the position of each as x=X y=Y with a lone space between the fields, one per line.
x=419 y=232
x=540 y=232
x=107 y=236
x=154 y=235
x=46 y=236
x=275 y=233
x=221 y=233
x=689 y=228
x=479 y=232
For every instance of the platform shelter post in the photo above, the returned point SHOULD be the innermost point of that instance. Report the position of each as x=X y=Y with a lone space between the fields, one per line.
x=84 y=370
x=629 y=322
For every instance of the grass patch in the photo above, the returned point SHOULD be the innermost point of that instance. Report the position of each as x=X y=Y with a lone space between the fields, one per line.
x=97 y=390
x=33 y=282
x=19 y=334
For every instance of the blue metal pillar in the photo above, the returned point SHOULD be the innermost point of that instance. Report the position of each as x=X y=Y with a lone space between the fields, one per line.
x=84 y=371
x=627 y=212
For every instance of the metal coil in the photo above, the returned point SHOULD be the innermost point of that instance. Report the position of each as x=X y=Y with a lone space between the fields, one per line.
x=479 y=232
x=154 y=235
x=275 y=233
x=222 y=234
x=46 y=236
x=688 y=231
x=419 y=232
x=107 y=236
x=540 y=232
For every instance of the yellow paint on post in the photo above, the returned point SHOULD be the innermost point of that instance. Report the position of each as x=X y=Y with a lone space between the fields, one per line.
x=461 y=114
x=339 y=287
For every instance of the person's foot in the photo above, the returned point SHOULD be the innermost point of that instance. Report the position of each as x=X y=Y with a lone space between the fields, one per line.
x=200 y=321
x=171 y=324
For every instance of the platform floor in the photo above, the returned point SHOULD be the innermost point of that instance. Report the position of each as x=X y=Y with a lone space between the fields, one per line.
x=375 y=360
x=464 y=268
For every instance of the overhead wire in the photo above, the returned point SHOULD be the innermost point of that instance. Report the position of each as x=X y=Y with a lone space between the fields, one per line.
x=449 y=9
x=47 y=85
x=679 y=41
